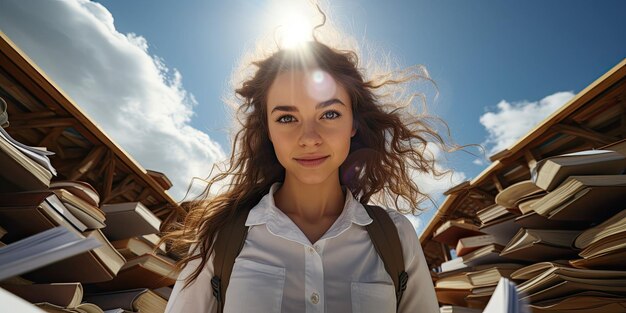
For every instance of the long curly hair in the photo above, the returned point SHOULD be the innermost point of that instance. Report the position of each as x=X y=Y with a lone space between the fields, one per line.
x=392 y=144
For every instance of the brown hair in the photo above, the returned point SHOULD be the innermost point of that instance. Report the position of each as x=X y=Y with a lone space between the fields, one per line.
x=390 y=145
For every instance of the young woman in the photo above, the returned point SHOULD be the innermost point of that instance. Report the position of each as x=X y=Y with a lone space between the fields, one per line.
x=317 y=141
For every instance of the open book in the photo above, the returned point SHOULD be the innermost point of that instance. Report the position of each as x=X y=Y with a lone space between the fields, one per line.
x=41 y=249
x=505 y=299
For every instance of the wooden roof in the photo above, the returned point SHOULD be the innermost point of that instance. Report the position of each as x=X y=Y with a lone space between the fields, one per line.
x=595 y=117
x=41 y=114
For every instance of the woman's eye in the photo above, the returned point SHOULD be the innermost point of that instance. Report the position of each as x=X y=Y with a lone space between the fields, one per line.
x=282 y=119
x=330 y=114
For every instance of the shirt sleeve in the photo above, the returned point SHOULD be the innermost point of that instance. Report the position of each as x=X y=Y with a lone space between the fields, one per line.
x=198 y=296
x=419 y=295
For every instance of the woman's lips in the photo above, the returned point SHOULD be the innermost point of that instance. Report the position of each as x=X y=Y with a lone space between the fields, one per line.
x=313 y=162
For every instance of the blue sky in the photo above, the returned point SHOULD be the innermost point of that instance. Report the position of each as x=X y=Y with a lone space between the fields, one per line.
x=142 y=68
x=478 y=52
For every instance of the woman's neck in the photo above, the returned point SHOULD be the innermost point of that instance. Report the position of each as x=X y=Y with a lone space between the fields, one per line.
x=310 y=203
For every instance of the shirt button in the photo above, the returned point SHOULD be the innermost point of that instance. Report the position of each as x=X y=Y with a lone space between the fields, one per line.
x=311 y=250
x=315 y=298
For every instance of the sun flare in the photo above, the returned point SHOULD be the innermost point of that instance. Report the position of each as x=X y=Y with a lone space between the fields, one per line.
x=292 y=22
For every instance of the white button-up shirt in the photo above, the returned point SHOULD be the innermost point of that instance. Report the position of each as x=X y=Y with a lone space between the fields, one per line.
x=279 y=270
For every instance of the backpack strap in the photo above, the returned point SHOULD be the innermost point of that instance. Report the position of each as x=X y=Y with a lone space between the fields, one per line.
x=382 y=231
x=228 y=244
x=386 y=241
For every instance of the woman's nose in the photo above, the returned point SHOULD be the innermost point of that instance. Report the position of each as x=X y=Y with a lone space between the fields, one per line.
x=310 y=135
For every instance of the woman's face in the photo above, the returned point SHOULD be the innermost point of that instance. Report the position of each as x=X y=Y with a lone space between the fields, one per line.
x=309 y=116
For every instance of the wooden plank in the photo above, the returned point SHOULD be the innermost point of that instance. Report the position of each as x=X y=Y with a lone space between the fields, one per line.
x=51 y=137
x=108 y=178
x=584 y=132
x=88 y=163
x=43 y=123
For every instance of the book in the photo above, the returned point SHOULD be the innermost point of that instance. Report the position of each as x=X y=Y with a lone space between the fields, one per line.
x=39 y=156
x=483 y=255
x=512 y=195
x=469 y=244
x=147 y=271
x=534 y=220
x=451 y=231
x=68 y=295
x=23 y=221
x=133 y=247
x=164 y=292
x=452 y=265
x=19 y=171
x=475 y=279
x=452 y=296
x=457 y=309
x=13 y=303
x=502 y=229
x=41 y=249
x=525 y=206
x=153 y=239
x=97 y=265
x=562 y=281
x=605 y=245
x=492 y=214
x=491 y=276
x=129 y=219
x=505 y=299
x=136 y=300
x=161 y=179
x=584 y=198
x=532 y=270
x=80 y=189
x=584 y=301
x=612 y=226
x=551 y=172
x=81 y=308
x=540 y=245
x=90 y=215
x=457 y=281
x=43 y=198
x=612 y=259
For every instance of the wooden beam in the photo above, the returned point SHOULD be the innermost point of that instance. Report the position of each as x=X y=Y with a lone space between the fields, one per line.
x=51 y=137
x=36 y=115
x=144 y=194
x=445 y=250
x=121 y=187
x=88 y=163
x=108 y=178
x=43 y=123
x=496 y=181
x=483 y=194
x=531 y=159
x=585 y=132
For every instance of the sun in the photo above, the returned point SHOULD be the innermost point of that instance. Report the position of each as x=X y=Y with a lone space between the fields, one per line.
x=292 y=22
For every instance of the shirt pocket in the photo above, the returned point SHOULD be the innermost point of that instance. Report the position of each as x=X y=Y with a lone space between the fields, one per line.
x=373 y=297
x=255 y=287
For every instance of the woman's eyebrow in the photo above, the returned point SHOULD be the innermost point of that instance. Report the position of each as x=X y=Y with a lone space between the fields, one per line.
x=290 y=108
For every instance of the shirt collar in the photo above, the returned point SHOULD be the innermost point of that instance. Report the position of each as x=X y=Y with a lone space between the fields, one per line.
x=278 y=223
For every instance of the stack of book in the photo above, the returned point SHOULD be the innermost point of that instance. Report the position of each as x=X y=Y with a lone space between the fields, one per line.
x=63 y=251
x=561 y=236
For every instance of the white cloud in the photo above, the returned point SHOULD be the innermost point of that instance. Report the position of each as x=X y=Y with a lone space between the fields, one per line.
x=513 y=120
x=432 y=186
x=478 y=162
x=133 y=96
